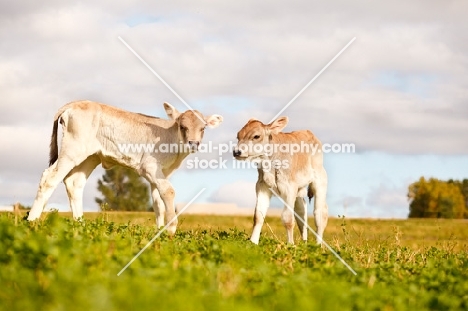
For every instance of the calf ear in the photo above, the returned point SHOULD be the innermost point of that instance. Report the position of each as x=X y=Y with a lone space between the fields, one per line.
x=213 y=120
x=278 y=125
x=171 y=112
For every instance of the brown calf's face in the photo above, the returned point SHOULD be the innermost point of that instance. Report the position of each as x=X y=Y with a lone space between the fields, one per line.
x=254 y=136
x=192 y=125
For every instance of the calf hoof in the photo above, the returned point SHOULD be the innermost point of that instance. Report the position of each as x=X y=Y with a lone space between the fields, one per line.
x=32 y=217
x=254 y=241
x=171 y=230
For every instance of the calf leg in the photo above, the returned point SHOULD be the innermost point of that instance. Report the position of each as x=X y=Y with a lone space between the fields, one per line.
x=167 y=194
x=75 y=182
x=300 y=209
x=320 y=206
x=49 y=181
x=261 y=208
x=163 y=194
x=158 y=206
x=287 y=217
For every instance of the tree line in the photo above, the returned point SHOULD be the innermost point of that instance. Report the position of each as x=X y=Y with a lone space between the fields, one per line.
x=434 y=198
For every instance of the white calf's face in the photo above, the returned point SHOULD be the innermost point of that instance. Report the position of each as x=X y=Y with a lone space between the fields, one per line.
x=191 y=129
x=191 y=125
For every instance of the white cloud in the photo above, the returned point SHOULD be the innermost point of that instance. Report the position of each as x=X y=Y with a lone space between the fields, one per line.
x=388 y=197
x=241 y=193
x=24 y=152
x=388 y=201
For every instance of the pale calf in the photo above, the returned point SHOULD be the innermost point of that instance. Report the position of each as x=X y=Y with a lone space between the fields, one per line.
x=291 y=175
x=92 y=134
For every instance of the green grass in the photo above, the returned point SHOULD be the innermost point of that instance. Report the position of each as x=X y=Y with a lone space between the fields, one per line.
x=61 y=264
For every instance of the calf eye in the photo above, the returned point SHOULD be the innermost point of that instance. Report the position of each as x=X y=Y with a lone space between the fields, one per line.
x=256 y=136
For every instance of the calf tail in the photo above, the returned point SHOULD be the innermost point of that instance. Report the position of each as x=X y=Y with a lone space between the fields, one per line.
x=310 y=192
x=53 y=153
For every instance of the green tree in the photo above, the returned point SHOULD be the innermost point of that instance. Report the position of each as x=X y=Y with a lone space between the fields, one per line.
x=435 y=198
x=418 y=195
x=123 y=190
x=451 y=201
x=463 y=185
x=464 y=190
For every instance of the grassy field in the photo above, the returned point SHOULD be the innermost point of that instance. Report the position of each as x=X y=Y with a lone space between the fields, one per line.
x=61 y=264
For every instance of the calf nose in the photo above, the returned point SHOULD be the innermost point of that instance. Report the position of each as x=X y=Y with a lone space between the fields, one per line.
x=236 y=153
x=193 y=144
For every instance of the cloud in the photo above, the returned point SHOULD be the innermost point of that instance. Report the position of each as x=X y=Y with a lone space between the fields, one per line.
x=241 y=193
x=24 y=152
x=387 y=197
x=377 y=91
x=388 y=201
x=350 y=201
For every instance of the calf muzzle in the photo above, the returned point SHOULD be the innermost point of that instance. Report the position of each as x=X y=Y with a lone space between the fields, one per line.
x=193 y=145
x=236 y=153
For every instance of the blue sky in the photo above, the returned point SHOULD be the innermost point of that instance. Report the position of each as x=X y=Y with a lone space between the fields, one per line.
x=399 y=92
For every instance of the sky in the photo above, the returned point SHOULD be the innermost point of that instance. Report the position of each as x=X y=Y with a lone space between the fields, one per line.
x=399 y=92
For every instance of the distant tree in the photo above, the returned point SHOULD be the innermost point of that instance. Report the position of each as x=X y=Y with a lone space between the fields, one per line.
x=434 y=198
x=464 y=190
x=123 y=190
x=22 y=206
x=463 y=185
x=451 y=201
x=418 y=195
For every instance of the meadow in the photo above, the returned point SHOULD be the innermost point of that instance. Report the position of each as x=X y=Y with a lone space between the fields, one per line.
x=61 y=264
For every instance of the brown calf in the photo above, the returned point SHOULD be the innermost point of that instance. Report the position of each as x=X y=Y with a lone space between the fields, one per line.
x=290 y=165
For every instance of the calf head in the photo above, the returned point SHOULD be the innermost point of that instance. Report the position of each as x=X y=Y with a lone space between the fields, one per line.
x=254 y=136
x=191 y=125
